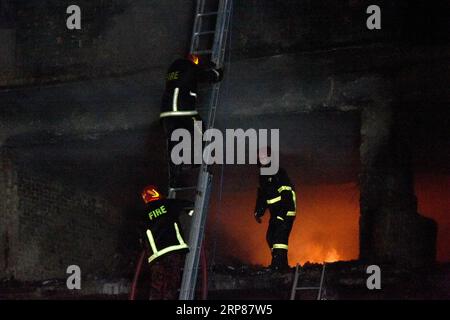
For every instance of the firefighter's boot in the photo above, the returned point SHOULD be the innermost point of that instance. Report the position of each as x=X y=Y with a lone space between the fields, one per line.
x=279 y=260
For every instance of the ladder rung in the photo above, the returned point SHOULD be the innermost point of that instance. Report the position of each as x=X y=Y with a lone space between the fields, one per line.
x=205 y=14
x=202 y=33
x=200 y=52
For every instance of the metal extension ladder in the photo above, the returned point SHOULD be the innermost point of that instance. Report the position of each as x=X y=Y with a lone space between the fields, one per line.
x=201 y=37
x=295 y=287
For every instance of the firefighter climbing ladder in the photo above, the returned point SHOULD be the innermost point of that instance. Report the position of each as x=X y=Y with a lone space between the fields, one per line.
x=221 y=9
x=295 y=287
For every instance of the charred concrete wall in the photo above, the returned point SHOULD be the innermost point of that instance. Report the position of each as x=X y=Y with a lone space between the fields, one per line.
x=116 y=36
x=125 y=37
x=120 y=36
x=8 y=213
x=47 y=225
x=278 y=85
x=7 y=53
x=391 y=229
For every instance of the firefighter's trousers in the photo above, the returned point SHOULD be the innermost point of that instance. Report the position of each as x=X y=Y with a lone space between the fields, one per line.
x=277 y=237
x=170 y=124
x=164 y=276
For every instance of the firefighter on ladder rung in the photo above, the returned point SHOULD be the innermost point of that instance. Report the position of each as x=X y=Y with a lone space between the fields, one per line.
x=178 y=108
x=164 y=244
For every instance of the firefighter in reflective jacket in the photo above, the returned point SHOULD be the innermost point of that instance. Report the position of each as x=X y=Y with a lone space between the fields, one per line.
x=164 y=242
x=178 y=108
x=276 y=193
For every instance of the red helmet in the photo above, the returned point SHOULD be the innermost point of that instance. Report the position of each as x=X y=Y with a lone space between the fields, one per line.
x=150 y=193
x=193 y=58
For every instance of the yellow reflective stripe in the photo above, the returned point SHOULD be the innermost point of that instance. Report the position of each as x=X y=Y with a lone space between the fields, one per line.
x=280 y=246
x=179 y=237
x=168 y=249
x=175 y=99
x=151 y=240
x=178 y=113
x=282 y=188
x=295 y=199
x=288 y=188
x=290 y=214
x=157 y=253
x=280 y=218
x=270 y=201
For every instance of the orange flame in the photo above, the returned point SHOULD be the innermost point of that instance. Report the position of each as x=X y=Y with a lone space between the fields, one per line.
x=325 y=229
x=327 y=223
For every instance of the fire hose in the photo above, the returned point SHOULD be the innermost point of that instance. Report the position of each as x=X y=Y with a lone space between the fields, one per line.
x=204 y=270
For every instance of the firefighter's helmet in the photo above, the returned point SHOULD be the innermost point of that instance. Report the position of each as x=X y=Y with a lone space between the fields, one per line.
x=264 y=156
x=193 y=58
x=150 y=193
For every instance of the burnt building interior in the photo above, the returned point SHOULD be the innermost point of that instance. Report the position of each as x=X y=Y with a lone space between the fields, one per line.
x=364 y=132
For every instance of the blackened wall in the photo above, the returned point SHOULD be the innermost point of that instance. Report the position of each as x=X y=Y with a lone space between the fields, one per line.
x=47 y=225
x=120 y=36
x=116 y=36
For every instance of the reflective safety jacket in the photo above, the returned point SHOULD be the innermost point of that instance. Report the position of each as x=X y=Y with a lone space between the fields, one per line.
x=162 y=227
x=277 y=193
x=181 y=87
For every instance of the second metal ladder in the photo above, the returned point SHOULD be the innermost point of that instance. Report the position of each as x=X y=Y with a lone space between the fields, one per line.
x=295 y=287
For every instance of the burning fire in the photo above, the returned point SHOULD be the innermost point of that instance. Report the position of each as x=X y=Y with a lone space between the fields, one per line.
x=325 y=229
x=316 y=253
x=327 y=223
